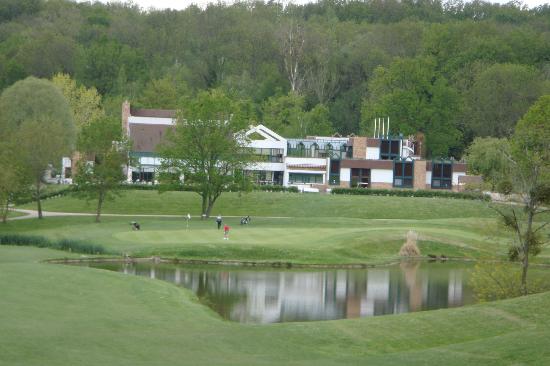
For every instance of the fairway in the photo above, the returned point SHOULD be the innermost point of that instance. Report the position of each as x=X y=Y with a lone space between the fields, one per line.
x=102 y=317
x=73 y=315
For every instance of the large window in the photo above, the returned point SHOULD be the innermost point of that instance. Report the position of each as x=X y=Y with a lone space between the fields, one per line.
x=389 y=149
x=305 y=178
x=403 y=173
x=442 y=175
x=360 y=177
x=334 y=177
x=269 y=155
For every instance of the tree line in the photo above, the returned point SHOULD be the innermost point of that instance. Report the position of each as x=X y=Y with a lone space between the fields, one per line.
x=452 y=70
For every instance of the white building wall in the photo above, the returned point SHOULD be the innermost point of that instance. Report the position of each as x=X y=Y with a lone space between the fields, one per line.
x=345 y=174
x=381 y=176
x=267 y=144
x=428 y=177
x=455 y=177
x=151 y=120
x=274 y=167
x=373 y=153
x=306 y=161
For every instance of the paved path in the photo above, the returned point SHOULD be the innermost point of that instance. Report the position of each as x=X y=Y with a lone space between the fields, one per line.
x=32 y=214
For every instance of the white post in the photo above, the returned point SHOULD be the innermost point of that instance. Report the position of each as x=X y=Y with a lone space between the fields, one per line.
x=388 y=125
x=374 y=134
x=383 y=130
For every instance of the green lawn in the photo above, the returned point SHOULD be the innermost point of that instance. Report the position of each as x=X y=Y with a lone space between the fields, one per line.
x=279 y=204
x=65 y=315
x=286 y=227
x=298 y=240
x=61 y=315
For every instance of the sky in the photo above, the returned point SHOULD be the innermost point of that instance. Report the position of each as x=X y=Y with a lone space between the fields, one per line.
x=182 y=4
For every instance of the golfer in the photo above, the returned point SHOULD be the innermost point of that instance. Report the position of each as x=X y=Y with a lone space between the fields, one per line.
x=225 y=232
x=219 y=221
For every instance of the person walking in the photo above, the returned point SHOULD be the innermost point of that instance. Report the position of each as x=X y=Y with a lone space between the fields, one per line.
x=226 y=232
x=219 y=221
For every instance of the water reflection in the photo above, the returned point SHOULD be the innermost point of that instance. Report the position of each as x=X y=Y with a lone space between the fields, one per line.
x=268 y=296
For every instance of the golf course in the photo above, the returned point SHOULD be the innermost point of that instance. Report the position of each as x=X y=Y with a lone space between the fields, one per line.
x=57 y=314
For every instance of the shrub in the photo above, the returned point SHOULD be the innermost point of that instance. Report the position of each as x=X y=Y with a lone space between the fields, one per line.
x=411 y=193
x=275 y=188
x=410 y=248
x=42 y=242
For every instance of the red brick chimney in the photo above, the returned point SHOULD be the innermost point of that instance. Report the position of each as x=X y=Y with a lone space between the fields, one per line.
x=125 y=116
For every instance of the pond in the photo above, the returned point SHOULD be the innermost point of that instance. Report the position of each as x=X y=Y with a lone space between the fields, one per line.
x=252 y=295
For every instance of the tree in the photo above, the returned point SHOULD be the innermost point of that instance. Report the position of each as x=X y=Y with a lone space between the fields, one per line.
x=163 y=93
x=488 y=156
x=499 y=97
x=286 y=114
x=14 y=180
x=417 y=99
x=206 y=147
x=101 y=178
x=37 y=117
x=530 y=173
x=292 y=50
x=85 y=103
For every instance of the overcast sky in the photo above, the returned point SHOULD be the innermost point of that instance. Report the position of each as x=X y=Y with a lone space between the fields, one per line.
x=182 y=4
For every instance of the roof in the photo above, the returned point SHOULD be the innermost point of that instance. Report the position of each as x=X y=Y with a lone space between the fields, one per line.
x=155 y=113
x=145 y=138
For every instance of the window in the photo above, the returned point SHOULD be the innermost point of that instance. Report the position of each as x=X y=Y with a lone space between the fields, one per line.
x=314 y=148
x=389 y=149
x=403 y=173
x=305 y=178
x=442 y=174
x=360 y=178
x=269 y=155
x=334 y=177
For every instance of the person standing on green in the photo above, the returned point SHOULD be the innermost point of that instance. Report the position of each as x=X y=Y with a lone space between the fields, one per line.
x=219 y=221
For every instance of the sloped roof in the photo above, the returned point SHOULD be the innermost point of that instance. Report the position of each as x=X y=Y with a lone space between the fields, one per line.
x=155 y=113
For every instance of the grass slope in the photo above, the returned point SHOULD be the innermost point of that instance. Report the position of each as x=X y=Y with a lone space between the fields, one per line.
x=298 y=240
x=278 y=204
x=63 y=315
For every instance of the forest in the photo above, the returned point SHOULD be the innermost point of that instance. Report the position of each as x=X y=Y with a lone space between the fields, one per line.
x=452 y=70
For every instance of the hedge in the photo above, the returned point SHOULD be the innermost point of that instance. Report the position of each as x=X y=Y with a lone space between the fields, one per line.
x=42 y=242
x=411 y=193
x=275 y=188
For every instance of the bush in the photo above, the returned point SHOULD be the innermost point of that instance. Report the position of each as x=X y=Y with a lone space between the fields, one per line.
x=504 y=187
x=411 y=193
x=42 y=242
x=501 y=281
x=45 y=195
x=275 y=188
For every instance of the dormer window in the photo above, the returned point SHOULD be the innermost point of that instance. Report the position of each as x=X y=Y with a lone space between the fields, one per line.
x=390 y=149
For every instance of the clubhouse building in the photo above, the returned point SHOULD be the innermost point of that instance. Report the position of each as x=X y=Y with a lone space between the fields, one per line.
x=314 y=163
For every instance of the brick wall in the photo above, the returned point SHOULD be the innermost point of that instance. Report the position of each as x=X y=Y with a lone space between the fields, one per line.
x=419 y=174
x=359 y=147
x=381 y=186
x=125 y=116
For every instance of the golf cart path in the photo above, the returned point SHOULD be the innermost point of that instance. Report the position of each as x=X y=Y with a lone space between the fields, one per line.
x=32 y=214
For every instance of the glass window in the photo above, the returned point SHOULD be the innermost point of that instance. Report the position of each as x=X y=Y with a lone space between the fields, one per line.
x=305 y=178
x=389 y=149
x=403 y=174
x=442 y=175
x=360 y=178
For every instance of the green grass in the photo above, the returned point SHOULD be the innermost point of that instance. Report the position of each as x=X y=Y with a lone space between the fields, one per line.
x=297 y=240
x=60 y=315
x=65 y=315
x=278 y=204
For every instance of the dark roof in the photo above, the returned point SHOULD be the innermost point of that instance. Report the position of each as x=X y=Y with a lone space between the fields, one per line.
x=145 y=138
x=158 y=113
